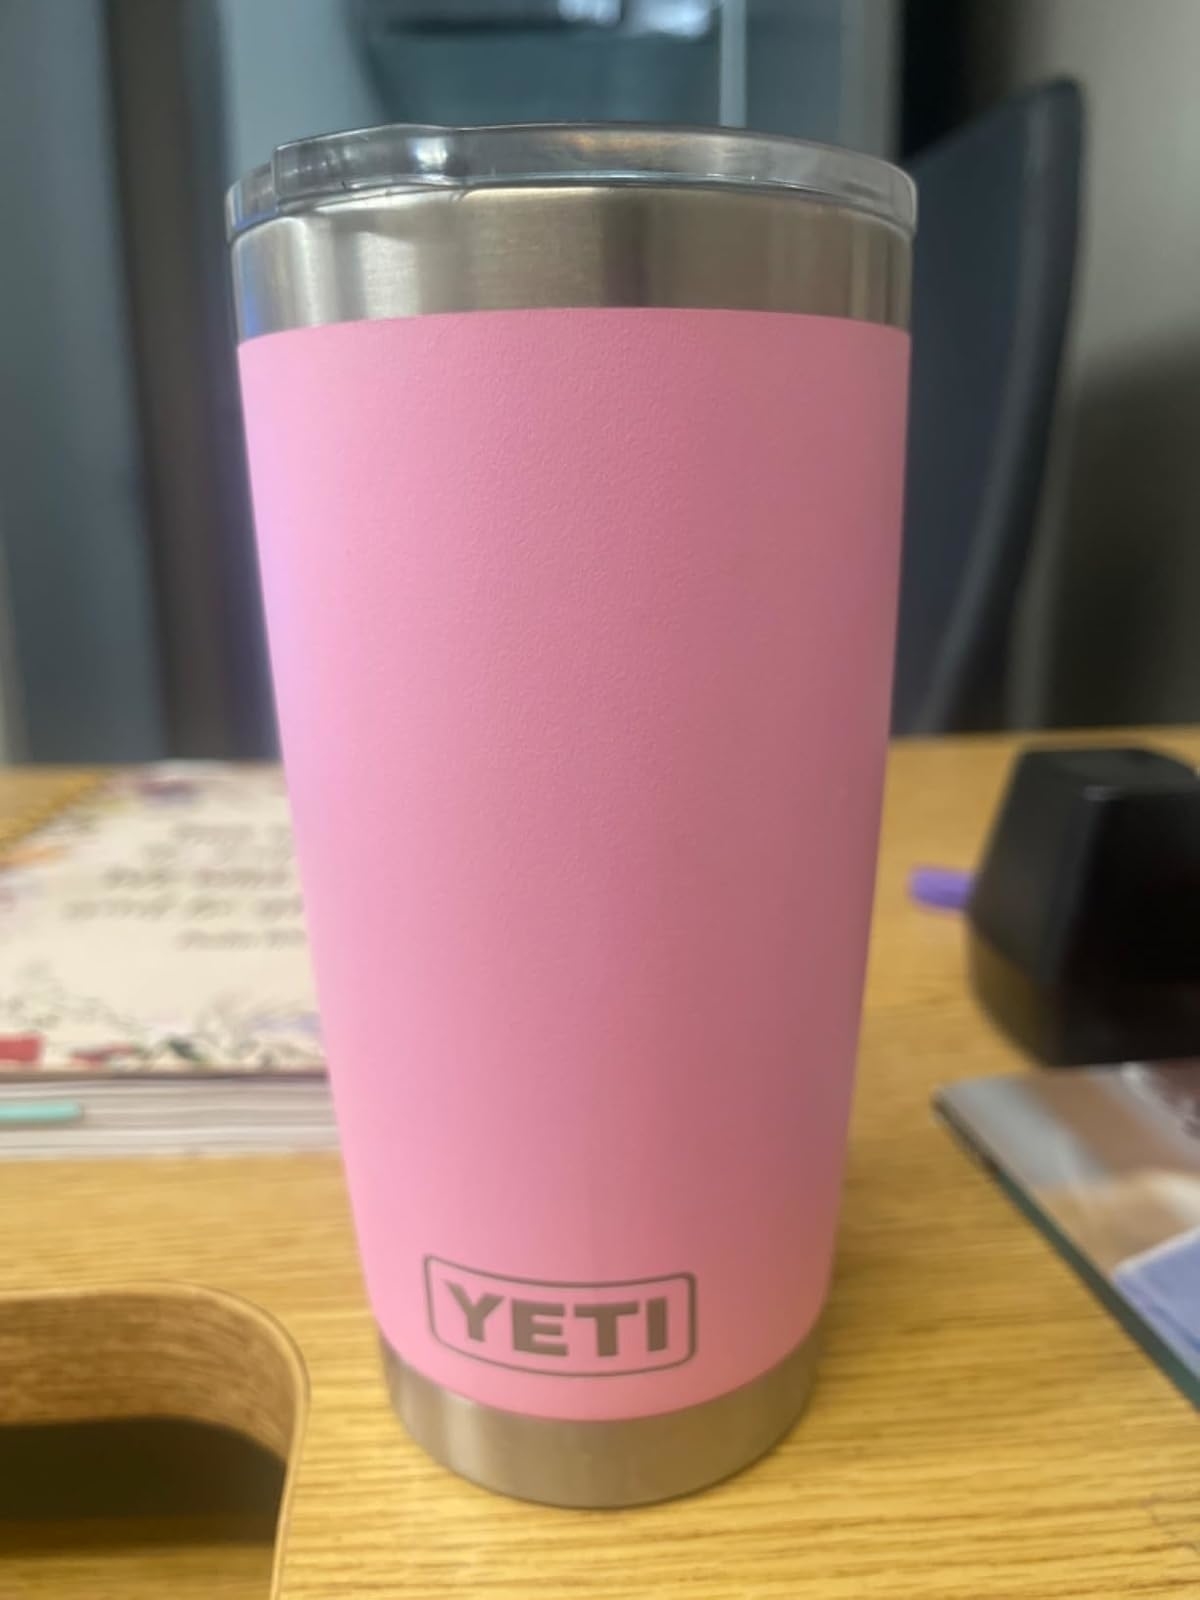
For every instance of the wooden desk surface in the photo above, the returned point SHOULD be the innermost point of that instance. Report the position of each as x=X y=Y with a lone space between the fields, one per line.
x=981 y=1428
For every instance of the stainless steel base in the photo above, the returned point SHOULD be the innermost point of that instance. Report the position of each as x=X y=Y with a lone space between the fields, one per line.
x=625 y=1463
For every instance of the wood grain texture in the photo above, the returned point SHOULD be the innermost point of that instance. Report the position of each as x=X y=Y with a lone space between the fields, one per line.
x=165 y=1351
x=981 y=1429
x=184 y=1558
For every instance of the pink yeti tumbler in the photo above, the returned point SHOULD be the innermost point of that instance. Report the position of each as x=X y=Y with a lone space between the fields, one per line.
x=577 y=458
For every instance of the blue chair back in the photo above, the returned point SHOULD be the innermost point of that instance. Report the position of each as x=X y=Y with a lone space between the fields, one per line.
x=993 y=271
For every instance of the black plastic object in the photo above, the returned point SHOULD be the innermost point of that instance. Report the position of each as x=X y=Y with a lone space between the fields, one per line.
x=1085 y=916
x=992 y=274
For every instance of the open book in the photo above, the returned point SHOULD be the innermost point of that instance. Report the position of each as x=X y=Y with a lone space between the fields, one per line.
x=157 y=927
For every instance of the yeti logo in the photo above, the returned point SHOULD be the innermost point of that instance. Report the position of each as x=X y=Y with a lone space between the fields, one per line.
x=569 y=1330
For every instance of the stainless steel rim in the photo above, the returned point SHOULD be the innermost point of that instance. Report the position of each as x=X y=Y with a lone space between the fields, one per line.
x=416 y=253
x=629 y=1462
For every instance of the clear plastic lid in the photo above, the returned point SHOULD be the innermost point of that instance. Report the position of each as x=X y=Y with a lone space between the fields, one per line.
x=315 y=171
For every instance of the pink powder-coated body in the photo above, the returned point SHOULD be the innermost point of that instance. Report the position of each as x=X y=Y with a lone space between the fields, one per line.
x=582 y=624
